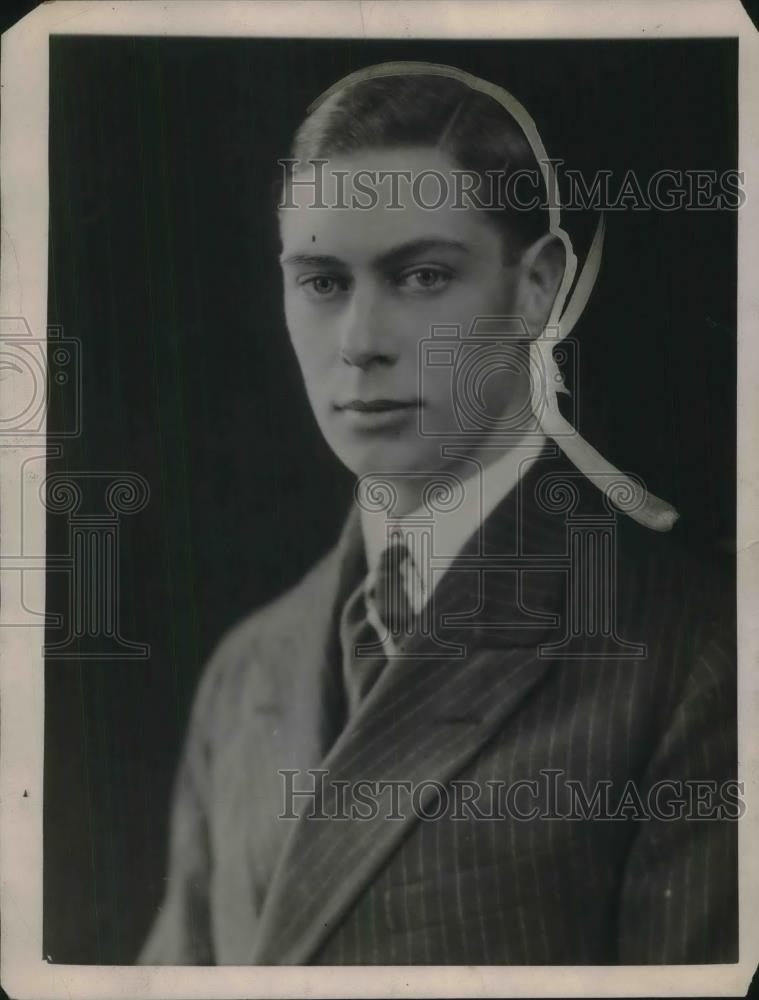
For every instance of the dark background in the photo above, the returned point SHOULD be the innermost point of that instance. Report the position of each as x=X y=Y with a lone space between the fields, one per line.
x=163 y=264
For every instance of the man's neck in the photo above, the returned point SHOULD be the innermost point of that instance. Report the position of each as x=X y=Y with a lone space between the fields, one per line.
x=467 y=467
x=455 y=512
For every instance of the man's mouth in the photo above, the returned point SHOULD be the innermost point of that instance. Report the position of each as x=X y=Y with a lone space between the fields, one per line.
x=378 y=405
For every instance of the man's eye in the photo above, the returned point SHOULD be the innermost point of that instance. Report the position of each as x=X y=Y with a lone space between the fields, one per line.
x=425 y=279
x=323 y=286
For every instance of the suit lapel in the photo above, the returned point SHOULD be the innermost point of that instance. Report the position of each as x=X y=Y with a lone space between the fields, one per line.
x=427 y=716
x=296 y=704
x=501 y=591
x=422 y=722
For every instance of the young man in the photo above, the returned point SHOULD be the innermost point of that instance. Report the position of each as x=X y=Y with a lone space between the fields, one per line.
x=472 y=733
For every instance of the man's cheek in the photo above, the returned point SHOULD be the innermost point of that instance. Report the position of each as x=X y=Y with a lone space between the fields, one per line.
x=436 y=385
x=317 y=363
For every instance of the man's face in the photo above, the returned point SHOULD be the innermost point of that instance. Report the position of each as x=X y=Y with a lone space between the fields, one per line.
x=364 y=286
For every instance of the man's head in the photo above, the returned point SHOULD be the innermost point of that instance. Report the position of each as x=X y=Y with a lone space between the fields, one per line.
x=366 y=283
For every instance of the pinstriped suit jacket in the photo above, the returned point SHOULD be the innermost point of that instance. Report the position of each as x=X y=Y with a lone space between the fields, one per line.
x=245 y=887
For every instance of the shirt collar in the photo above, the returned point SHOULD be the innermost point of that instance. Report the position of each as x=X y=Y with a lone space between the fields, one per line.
x=451 y=528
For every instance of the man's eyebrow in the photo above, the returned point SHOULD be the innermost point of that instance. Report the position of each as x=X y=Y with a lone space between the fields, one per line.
x=313 y=260
x=390 y=258
x=415 y=248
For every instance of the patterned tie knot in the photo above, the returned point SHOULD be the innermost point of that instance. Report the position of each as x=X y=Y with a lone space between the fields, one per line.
x=390 y=595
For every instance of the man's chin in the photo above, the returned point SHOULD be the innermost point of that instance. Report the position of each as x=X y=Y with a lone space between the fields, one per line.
x=388 y=459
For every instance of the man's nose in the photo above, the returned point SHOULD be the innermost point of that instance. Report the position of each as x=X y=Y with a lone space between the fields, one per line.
x=365 y=337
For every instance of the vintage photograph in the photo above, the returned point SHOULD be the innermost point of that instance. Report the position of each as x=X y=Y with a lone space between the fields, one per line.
x=387 y=456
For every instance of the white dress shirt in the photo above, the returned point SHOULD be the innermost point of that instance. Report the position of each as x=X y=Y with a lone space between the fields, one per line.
x=450 y=529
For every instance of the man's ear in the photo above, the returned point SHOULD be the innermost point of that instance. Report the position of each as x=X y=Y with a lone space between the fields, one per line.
x=541 y=269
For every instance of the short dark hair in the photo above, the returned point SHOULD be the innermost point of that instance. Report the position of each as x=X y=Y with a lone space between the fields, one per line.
x=474 y=129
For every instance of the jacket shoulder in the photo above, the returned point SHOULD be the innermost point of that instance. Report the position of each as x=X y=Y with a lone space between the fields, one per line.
x=244 y=653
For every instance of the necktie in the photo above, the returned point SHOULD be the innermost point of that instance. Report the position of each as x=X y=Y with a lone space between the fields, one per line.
x=390 y=597
x=364 y=654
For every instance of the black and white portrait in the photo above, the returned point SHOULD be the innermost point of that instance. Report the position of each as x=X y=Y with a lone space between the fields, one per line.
x=388 y=478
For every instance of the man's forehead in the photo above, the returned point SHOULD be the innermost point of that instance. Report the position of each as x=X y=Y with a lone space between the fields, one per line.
x=341 y=170
x=367 y=236
x=363 y=205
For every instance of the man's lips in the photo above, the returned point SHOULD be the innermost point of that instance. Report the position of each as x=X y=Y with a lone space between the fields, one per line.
x=378 y=405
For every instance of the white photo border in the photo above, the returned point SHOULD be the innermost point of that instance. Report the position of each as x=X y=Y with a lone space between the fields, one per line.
x=23 y=293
